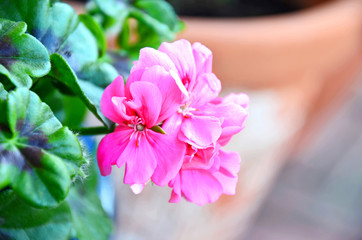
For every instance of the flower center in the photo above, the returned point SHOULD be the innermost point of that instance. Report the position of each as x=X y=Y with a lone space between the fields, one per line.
x=139 y=130
x=186 y=110
x=137 y=125
x=140 y=127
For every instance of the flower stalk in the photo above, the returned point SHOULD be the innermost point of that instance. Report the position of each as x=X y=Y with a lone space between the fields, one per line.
x=86 y=131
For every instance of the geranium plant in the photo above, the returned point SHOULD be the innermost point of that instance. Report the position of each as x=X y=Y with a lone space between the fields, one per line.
x=163 y=118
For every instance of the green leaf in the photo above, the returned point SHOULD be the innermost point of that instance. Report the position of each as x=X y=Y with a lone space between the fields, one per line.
x=100 y=74
x=38 y=157
x=57 y=26
x=69 y=110
x=160 y=28
x=99 y=16
x=161 y=11
x=53 y=26
x=124 y=36
x=88 y=92
x=3 y=96
x=74 y=112
x=89 y=219
x=156 y=22
x=149 y=32
x=20 y=221
x=21 y=55
x=3 y=92
x=97 y=32
x=113 y=8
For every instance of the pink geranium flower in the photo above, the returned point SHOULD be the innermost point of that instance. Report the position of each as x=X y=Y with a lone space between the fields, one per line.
x=203 y=120
x=138 y=110
x=173 y=89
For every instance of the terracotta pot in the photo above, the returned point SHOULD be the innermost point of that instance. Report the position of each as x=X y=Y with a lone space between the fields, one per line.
x=278 y=50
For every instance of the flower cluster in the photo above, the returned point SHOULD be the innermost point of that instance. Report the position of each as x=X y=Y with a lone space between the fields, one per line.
x=172 y=124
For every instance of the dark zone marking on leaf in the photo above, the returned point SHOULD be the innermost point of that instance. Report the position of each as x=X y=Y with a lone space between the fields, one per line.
x=35 y=138
x=53 y=43
x=48 y=39
x=67 y=54
x=14 y=158
x=7 y=52
x=33 y=155
x=29 y=156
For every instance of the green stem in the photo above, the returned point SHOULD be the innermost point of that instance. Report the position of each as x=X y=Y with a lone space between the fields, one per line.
x=93 y=130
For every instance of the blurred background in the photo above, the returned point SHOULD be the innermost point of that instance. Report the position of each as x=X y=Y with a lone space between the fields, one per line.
x=300 y=61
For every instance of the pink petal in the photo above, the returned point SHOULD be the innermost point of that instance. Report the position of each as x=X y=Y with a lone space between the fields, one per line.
x=176 y=191
x=228 y=183
x=180 y=85
x=200 y=131
x=233 y=118
x=240 y=99
x=207 y=87
x=200 y=187
x=149 y=96
x=140 y=160
x=180 y=52
x=150 y=57
x=135 y=76
x=227 y=134
x=120 y=107
x=173 y=123
x=228 y=171
x=203 y=58
x=189 y=156
x=215 y=162
x=110 y=149
x=169 y=152
x=116 y=88
x=232 y=114
x=171 y=94
x=229 y=163
x=203 y=159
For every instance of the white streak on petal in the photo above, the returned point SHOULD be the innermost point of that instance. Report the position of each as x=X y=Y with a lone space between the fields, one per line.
x=179 y=83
